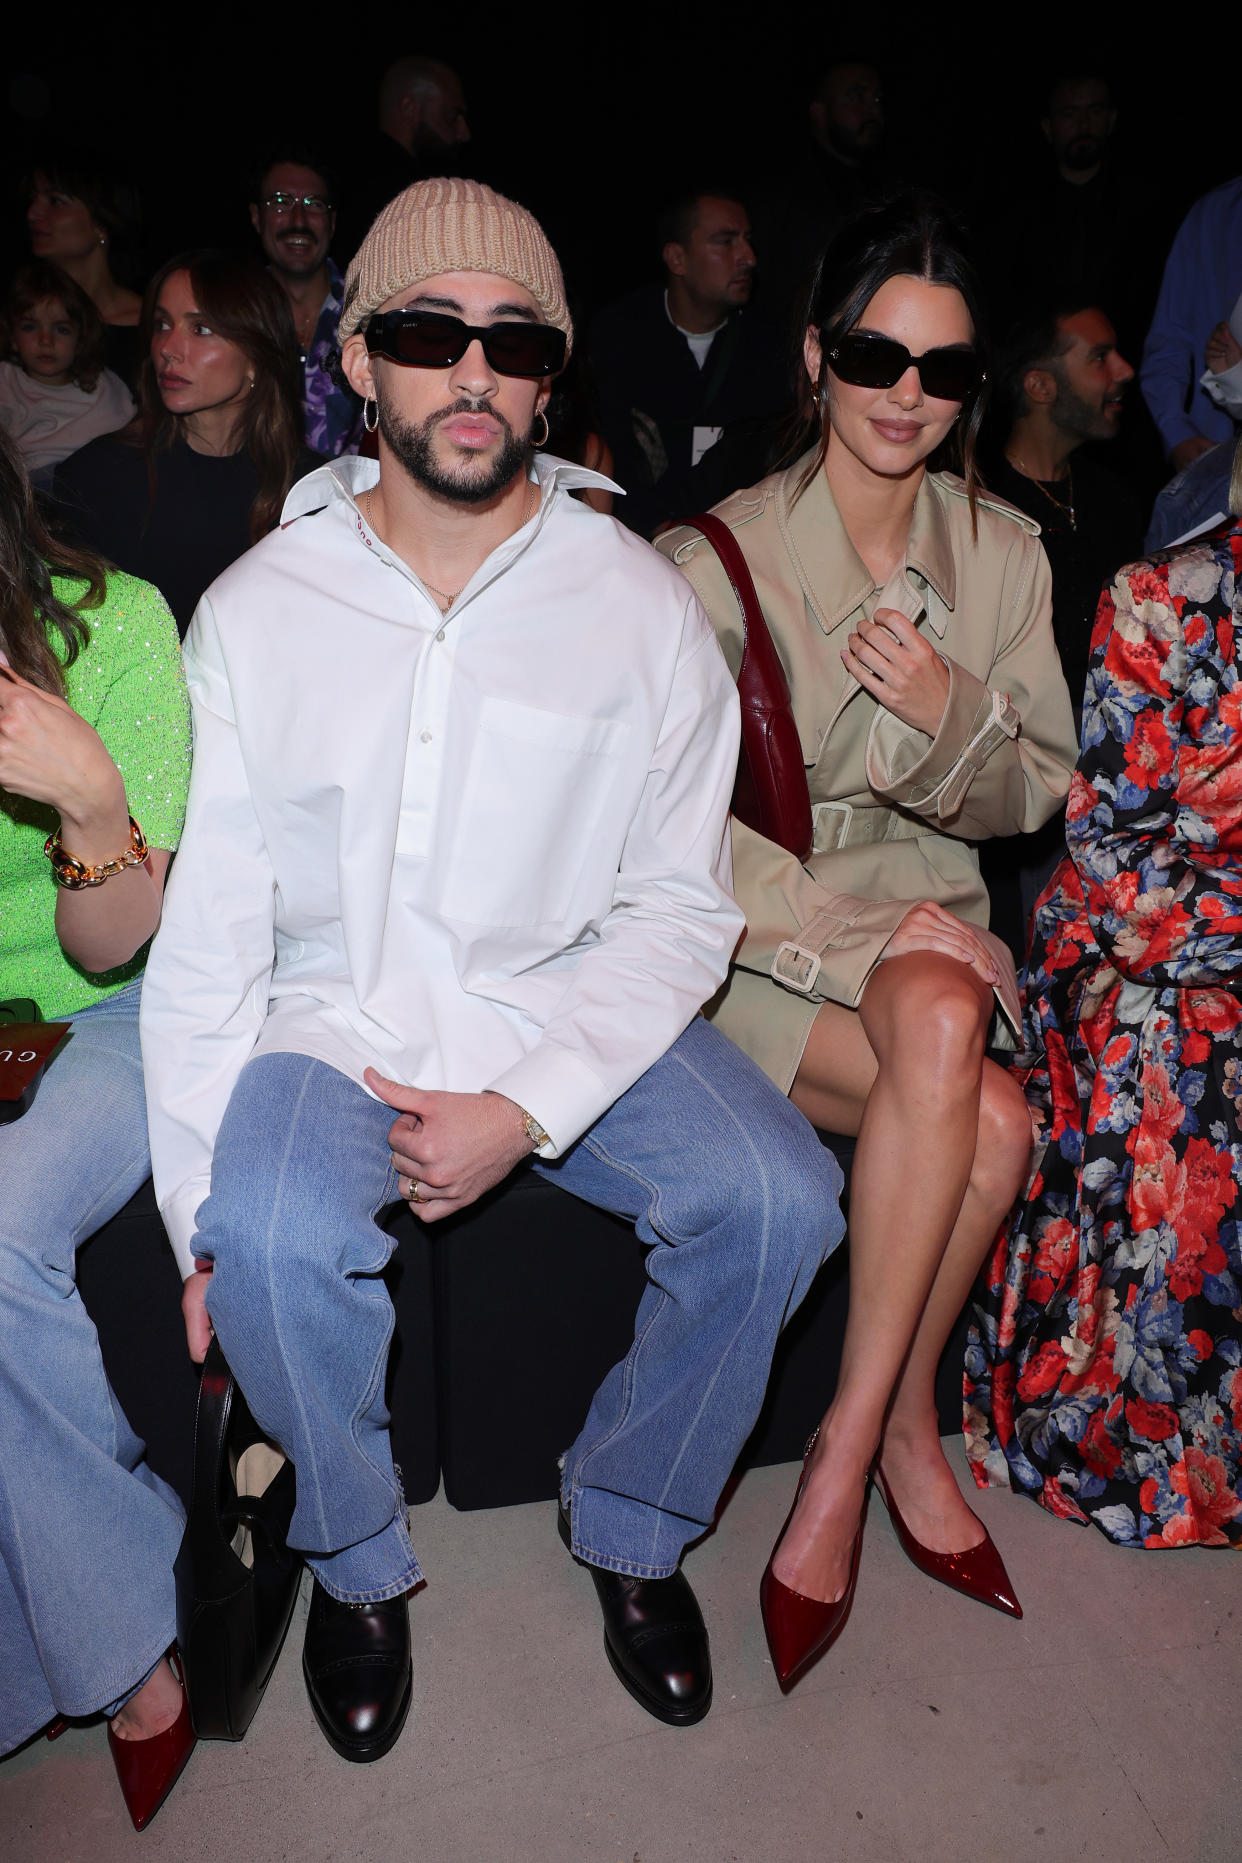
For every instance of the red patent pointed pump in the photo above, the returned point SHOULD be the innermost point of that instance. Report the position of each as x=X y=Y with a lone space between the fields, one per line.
x=147 y=1770
x=977 y=1573
x=800 y=1629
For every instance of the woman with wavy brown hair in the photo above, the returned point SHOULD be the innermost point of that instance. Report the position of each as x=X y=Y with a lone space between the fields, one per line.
x=205 y=469
x=94 y=769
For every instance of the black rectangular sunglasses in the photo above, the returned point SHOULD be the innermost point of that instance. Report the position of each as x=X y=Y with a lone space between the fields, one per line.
x=422 y=339
x=878 y=361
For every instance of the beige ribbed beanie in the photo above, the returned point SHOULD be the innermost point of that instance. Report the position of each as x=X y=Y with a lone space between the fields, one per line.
x=452 y=226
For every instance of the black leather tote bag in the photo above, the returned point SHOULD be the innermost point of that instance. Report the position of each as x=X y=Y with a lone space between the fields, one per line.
x=237 y=1580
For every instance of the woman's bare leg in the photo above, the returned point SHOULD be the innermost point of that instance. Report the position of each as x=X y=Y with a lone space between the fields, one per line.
x=907 y=1074
x=922 y=1482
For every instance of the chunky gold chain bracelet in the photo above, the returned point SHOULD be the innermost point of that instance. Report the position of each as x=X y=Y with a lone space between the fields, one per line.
x=75 y=874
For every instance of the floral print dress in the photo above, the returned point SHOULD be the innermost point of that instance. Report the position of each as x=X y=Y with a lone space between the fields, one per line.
x=1104 y=1375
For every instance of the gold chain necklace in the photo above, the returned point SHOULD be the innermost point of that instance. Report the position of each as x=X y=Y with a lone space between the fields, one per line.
x=443 y=594
x=1052 y=498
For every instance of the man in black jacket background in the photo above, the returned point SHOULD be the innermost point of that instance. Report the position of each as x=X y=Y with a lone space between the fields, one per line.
x=691 y=382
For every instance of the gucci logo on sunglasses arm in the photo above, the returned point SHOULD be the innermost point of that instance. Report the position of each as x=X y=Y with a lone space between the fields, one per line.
x=880 y=361
x=421 y=339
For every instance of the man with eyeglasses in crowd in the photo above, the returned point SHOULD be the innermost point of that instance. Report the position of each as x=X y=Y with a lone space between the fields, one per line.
x=453 y=886
x=294 y=216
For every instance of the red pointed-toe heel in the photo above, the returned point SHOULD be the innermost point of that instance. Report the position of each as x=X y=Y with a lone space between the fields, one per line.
x=147 y=1770
x=977 y=1573
x=800 y=1629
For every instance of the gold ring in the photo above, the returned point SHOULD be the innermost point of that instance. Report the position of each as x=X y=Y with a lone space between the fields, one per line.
x=413 y=1196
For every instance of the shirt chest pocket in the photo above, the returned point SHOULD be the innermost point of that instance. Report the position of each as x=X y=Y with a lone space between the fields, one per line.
x=532 y=841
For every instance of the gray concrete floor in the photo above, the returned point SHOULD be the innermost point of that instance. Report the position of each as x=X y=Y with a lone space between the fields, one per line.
x=1105 y=1725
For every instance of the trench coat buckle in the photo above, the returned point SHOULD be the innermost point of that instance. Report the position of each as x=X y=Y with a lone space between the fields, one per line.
x=796 y=968
x=830 y=835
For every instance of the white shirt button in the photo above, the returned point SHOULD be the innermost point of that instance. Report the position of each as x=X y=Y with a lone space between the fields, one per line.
x=440 y=635
x=424 y=737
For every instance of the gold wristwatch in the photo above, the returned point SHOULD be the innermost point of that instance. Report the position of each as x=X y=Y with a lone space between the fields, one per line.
x=534 y=1131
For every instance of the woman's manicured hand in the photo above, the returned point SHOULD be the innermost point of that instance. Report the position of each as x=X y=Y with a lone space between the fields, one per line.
x=890 y=658
x=930 y=928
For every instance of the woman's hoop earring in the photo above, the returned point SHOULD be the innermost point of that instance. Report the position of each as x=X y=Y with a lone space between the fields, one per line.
x=369 y=403
x=544 y=441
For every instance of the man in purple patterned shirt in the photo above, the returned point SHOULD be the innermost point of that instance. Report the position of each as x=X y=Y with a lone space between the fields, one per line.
x=293 y=212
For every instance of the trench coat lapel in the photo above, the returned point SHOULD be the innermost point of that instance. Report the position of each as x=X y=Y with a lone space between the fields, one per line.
x=930 y=554
x=834 y=578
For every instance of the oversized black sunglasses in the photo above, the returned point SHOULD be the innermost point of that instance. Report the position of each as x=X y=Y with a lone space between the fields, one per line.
x=430 y=340
x=879 y=361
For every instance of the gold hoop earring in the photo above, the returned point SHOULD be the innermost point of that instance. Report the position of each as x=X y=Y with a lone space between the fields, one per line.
x=544 y=441
x=369 y=403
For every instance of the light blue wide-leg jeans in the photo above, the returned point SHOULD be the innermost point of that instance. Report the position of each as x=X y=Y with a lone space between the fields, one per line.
x=88 y=1534
x=720 y=1175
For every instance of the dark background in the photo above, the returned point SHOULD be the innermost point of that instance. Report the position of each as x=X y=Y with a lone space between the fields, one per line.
x=591 y=114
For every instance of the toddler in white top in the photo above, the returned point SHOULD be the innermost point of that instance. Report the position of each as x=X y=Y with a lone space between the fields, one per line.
x=55 y=394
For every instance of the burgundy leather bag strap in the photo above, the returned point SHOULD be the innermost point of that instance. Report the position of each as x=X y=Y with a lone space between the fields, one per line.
x=771 y=795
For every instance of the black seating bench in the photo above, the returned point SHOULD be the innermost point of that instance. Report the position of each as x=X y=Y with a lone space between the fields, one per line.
x=508 y=1316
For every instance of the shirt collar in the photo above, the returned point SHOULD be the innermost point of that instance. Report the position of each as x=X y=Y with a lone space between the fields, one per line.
x=344 y=480
x=834 y=577
x=692 y=333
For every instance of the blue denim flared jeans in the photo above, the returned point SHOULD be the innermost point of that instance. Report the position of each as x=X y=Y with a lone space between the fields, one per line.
x=720 y=1175
x=88 y=1534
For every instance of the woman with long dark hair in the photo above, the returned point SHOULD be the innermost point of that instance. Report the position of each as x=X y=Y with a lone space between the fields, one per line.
x=203 y=472
x=912 y=615
x=94 y=768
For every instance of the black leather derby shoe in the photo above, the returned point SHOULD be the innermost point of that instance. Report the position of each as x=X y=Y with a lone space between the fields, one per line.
x=359 y=1676
x=655 y=1639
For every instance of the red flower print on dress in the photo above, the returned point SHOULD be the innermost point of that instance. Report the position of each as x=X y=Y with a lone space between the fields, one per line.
x=1196 y=1256
x=1002 y=1402
x=1054 y=1498
x=1149 y=754
x=1100 y=1453
x=1155 y=1422
x=1157 y=1188
x=1163 y=1113
x=1042 y=1372
x=1052 y=1256
x=1210 y=1501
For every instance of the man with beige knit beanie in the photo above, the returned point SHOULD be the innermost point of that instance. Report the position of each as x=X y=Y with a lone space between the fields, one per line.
x=453 y=886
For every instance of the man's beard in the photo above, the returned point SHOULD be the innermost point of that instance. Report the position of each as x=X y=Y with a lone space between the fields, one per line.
x=1082 y=153
x=861 y=144
x=1073 y=414
x=412 y=445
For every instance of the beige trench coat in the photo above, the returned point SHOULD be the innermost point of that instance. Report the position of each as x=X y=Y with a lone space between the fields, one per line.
x=896 y=812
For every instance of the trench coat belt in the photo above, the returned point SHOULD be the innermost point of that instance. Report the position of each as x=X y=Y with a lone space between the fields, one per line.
x=845 y=824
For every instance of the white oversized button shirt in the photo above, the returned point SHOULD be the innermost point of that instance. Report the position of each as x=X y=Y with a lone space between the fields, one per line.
x=478 y=850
